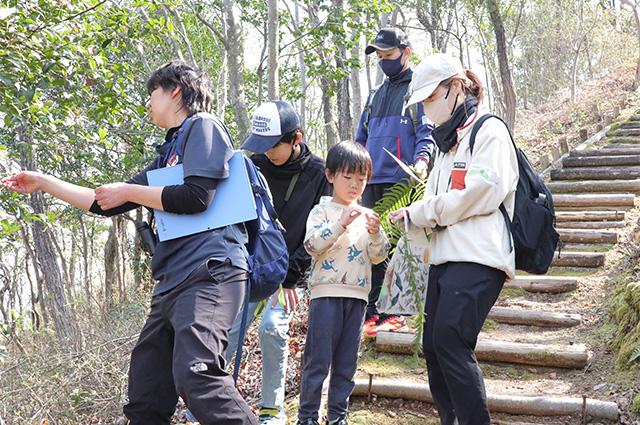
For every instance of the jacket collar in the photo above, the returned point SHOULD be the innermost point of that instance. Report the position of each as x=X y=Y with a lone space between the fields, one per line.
x=465 y=130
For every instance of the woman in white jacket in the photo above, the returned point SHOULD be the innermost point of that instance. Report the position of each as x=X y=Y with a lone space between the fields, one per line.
x=471 y=253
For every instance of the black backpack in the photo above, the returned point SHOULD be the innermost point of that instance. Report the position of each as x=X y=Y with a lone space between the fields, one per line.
x=533 y=226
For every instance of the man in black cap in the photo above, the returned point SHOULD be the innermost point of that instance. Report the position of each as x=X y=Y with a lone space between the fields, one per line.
x=386 y=123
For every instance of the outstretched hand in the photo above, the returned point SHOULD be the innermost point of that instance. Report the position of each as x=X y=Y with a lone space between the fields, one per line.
x=23 y=182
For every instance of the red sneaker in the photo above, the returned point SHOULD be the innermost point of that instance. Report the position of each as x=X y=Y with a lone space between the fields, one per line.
x=369 y=324
x=392 y=324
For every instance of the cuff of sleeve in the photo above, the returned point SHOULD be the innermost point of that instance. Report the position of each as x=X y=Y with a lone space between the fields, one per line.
x=376 y=237
x=337 y=228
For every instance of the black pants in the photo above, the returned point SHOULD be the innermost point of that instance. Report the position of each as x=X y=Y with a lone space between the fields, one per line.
x=459 y=297
x=372 y=193
x=181 y=351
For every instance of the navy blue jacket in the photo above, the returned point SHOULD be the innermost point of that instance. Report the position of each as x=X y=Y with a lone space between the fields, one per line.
x=389 y=128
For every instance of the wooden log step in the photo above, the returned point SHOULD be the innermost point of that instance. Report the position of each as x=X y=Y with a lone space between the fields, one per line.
x=543 y=284
x=515 y=316
x=628 y=141
x=596 y=200
x=567 y=356
x=578 y=259
x=600 y=161
x=591 y=186
x=612 y=208
x=634 y=117
x=562 y=216
x=512 y=404
x=588 y=236
x=567 y=247
x=627 y=132
x=595 y=173
x=630 y=124
x=609 y=150
x=592 y=225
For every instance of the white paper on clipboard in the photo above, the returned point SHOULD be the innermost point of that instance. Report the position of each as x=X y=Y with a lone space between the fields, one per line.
x=405 y=168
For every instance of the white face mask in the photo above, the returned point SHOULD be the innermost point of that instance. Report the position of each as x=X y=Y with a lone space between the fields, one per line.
x=438 y=110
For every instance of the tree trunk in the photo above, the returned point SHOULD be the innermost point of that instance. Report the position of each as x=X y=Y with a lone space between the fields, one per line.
x=273 y=37
x=636 y=17
x=327 y=86
x=55 y=301
x=345 y=121
x=235 y=53
x=302 y=69
x=112 y=262
x=508 y=90
x=356 y=105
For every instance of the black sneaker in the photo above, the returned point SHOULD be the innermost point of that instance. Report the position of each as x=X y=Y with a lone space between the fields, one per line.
x=308 y=421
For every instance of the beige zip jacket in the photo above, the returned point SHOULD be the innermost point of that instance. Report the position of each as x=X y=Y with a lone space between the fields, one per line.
x=463 y=195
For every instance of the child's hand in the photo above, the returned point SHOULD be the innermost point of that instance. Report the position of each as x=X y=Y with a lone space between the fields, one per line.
x=348 y=215
x=373 y=223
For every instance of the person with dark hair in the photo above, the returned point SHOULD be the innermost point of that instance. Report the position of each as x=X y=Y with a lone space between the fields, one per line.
x=387 y=124
x=343 y=239
x=201 y=278
x=471 y=252
x=297 y=182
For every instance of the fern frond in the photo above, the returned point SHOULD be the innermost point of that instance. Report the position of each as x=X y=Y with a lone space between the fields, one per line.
x=635 y=355
x=398 y=196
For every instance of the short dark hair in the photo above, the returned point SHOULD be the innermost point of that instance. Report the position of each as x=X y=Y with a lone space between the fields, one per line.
x=290 y=137
x=349 y=157
x=196 y=88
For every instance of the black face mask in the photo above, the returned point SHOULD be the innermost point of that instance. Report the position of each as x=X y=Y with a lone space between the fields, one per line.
x=445 y=135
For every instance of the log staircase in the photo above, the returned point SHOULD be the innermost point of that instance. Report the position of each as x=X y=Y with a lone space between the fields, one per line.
x=592 y=191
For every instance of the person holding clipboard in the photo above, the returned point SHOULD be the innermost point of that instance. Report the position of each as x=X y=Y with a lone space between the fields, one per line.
x=201 y=277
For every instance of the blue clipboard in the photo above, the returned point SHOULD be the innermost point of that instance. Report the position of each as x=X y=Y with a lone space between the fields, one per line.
x=232 y=203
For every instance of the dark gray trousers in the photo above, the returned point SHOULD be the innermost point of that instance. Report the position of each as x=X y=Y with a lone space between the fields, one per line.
x=181 y=351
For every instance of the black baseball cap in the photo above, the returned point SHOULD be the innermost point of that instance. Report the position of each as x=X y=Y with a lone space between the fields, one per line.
x=387 y=39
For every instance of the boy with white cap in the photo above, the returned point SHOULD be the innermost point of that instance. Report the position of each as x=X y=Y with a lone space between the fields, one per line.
x=297 y=181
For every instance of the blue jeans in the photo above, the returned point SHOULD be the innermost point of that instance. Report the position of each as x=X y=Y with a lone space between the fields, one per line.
x=274 y=343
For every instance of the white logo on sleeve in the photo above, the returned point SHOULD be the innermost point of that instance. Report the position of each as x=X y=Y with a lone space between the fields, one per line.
x=266 y=122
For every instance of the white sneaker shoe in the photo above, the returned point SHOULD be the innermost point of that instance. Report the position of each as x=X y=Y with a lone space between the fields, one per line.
x=269 y=416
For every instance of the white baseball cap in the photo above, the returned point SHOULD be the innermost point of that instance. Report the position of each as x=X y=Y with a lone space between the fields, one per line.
x=270 y=122
x=429 y=73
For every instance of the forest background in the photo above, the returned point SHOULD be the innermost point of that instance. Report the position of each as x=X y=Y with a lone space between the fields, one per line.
x=74 y=288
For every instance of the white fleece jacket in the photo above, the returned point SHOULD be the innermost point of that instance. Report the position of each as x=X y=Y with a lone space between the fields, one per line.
x=463 y=195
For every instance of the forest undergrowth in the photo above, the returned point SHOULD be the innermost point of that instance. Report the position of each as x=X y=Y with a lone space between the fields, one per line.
x=42 y=383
